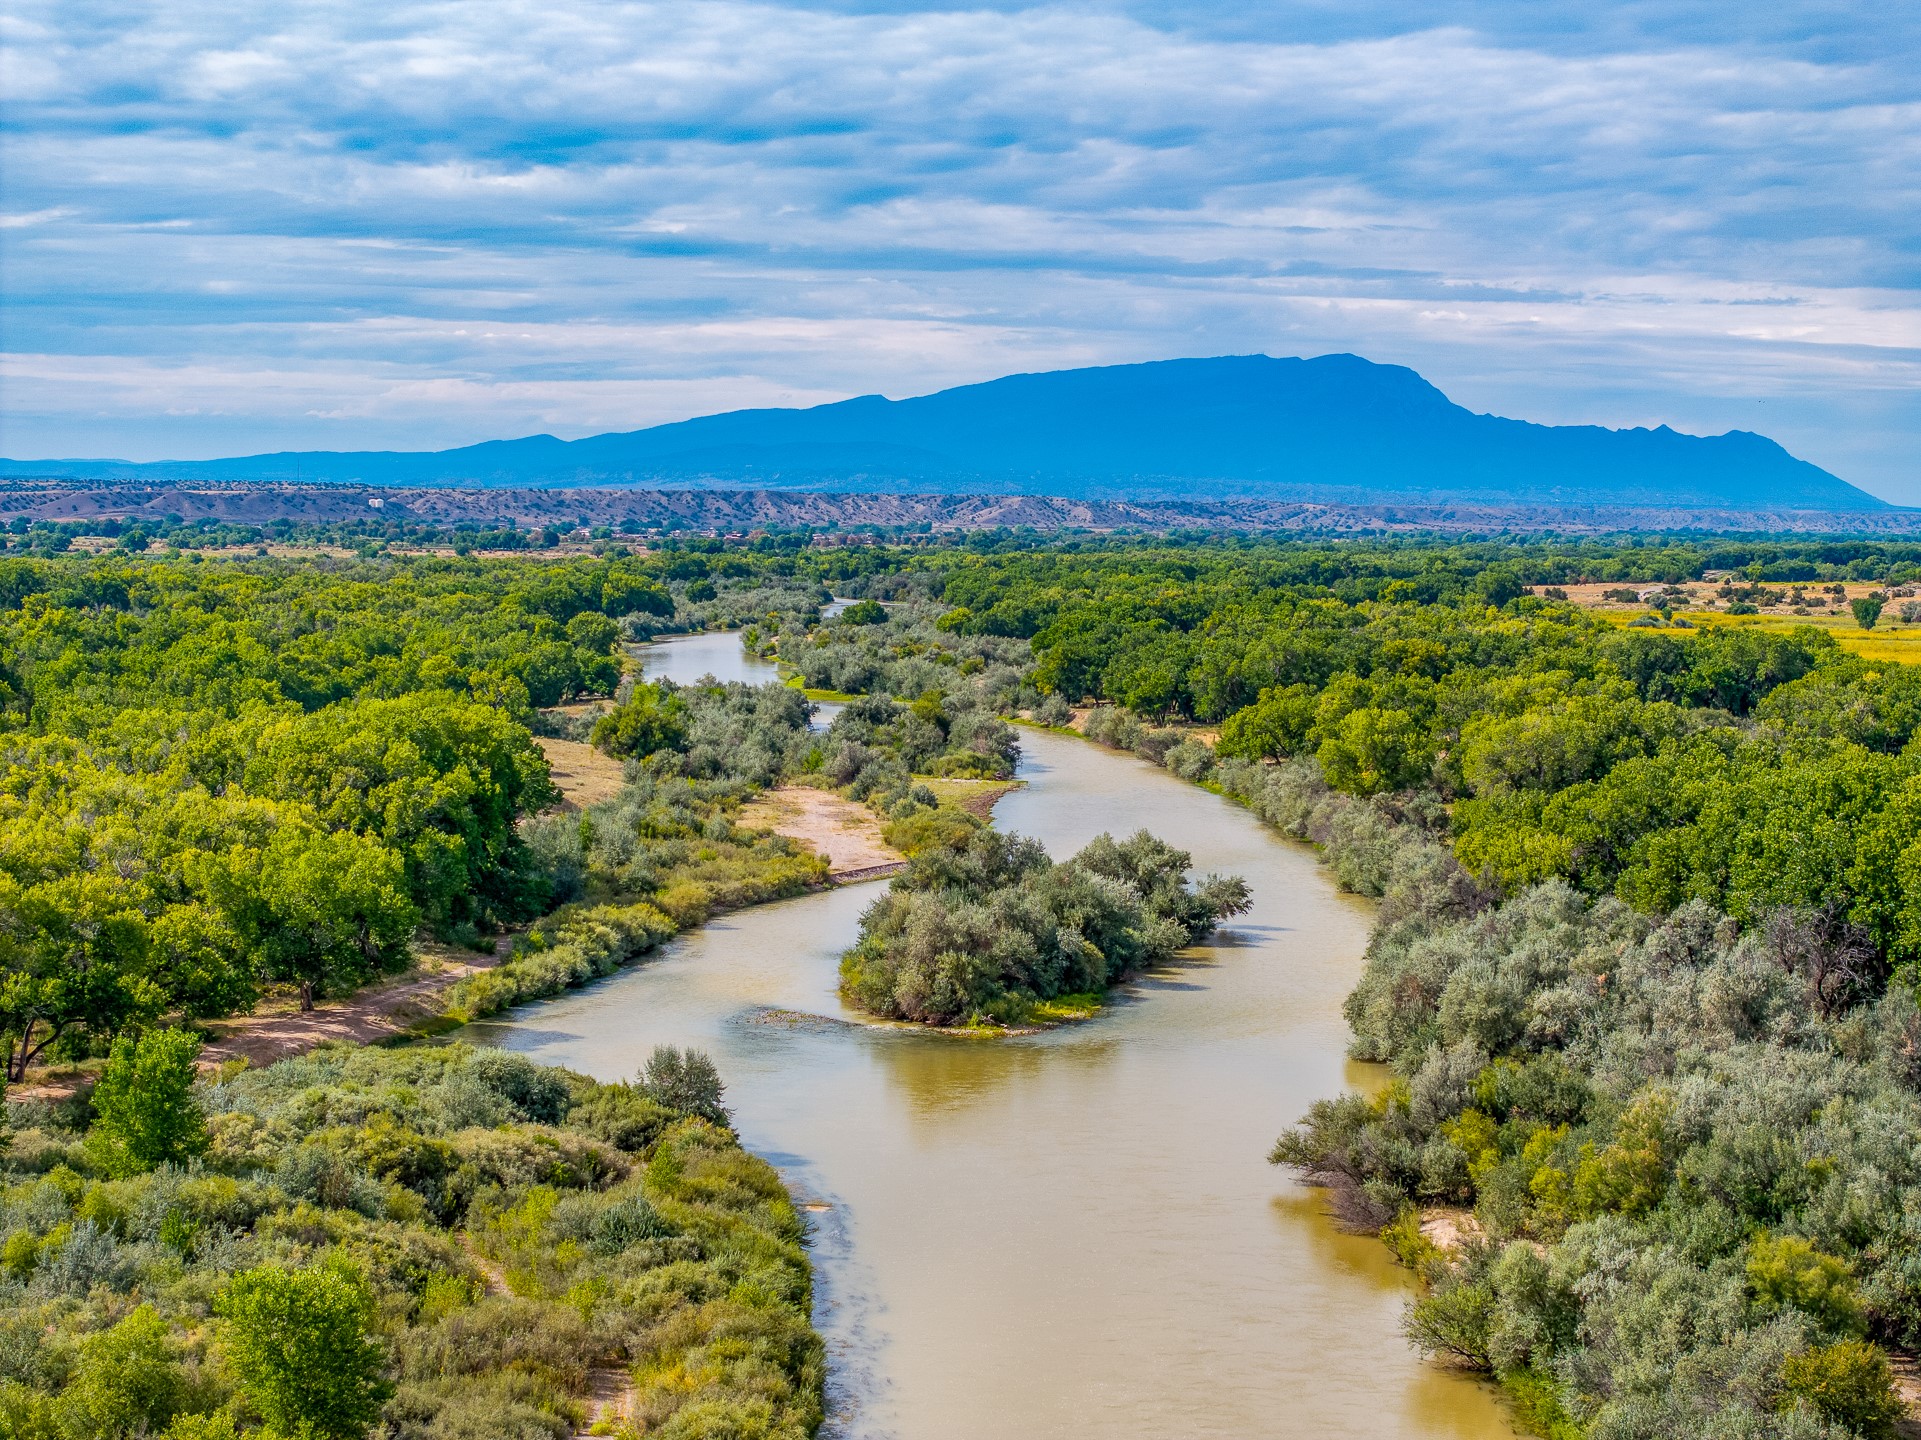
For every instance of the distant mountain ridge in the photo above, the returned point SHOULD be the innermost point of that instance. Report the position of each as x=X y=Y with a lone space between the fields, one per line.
x=1336 y=427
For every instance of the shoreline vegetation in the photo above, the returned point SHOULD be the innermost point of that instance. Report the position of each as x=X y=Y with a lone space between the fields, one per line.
x=453 y=1242
x=1673 y=1131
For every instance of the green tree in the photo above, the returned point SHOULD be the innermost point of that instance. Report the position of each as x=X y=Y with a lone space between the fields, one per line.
x=301 y=1344
x=1497 y=585
x=1372 y=750
x=441 y=780
x=144 y=1108
x=1274 y=726
x=592 y=631
x=1555 y=746
x=74 y=956
x=651 y=720
x=1867 y=610
x=551 y=671
x=864 y=612
x=687 y=1081
x=198 y=960
x=625 y=593
x=319 y=910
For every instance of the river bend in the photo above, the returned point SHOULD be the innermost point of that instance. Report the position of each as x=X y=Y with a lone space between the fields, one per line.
x=1066 y=1235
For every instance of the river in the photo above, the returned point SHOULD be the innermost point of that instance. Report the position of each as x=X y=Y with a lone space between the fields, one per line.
x=1066 y=1235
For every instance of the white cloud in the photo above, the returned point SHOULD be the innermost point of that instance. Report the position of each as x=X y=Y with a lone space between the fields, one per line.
x=599 y=214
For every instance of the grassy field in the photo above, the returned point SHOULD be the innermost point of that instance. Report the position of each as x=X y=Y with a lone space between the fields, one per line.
x=1890 y=640
x=1896 y=643
x=957 y=792
x=795 y=681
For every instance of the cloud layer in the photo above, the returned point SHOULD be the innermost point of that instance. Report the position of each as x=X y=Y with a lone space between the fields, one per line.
x=232 y=227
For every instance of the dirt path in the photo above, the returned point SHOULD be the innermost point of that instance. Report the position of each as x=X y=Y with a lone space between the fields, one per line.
x=581 y=773
x=492 y=1278
x=610 y=1393
x=846 y=833
x=376 y=1013
x=610 y=1388
x=1907 y=1385
x=279 y=1029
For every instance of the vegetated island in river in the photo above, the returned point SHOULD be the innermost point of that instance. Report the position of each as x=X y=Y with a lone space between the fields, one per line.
x=987 y=931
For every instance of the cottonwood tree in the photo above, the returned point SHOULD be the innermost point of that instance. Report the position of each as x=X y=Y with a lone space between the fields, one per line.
x=73 y=957
x=319 y=910
x=650 y=720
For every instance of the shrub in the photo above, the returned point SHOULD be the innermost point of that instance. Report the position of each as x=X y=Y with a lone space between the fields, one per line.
x=1454 y=1320
x=1056 y=712
x=567 y=949
x=929 y=829
x=129 y=1380
x=1787 y=1271
x=1110 y=725
x=1191 y=760
x=301 y=1344
x=686 y=1082
x=1849 y=1383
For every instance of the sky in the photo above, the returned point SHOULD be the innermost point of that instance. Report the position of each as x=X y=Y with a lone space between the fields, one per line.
x=237 y=227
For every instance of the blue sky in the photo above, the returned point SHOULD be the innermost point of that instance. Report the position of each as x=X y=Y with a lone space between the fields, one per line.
x=232 y=227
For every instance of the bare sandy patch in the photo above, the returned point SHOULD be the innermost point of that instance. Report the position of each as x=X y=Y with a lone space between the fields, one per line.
x=1448 y=1228
x=1907 y=1388
x=846 y=833
x=581 y=773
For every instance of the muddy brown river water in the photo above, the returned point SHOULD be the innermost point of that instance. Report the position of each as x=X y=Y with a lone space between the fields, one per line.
x=1072 y=1234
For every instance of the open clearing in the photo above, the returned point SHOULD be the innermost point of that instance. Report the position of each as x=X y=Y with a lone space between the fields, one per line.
x=1896 y=643
x=1889 y=640
x=581 y=773
x=846 y=833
